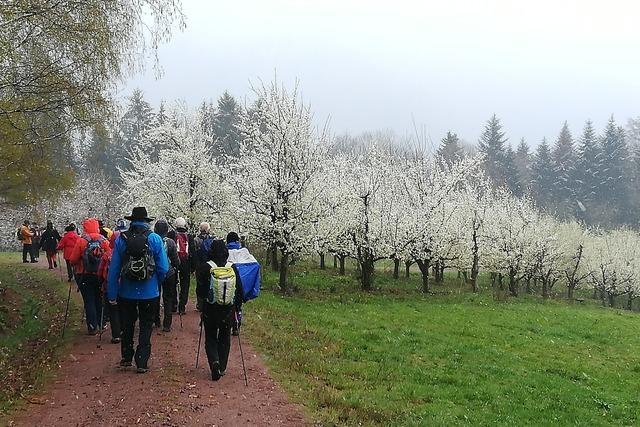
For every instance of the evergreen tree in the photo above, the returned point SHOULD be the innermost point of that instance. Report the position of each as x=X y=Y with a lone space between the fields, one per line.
x=225 y=125
x=542 y=176
x=613 y=177
x=512 y=177
x=207 y=118
x=135 y=123
x=492 y=146
x=450 y=150
x=587 y=172
x=523 y=164
x=564 y=166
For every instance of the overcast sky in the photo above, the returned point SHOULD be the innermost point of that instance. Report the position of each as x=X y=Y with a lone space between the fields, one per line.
x=447 y=65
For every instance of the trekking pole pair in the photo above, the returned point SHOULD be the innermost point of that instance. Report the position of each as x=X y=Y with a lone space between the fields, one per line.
x=244 y=369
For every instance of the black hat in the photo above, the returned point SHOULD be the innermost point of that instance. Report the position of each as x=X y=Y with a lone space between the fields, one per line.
x=233 y=237
x=139 y=213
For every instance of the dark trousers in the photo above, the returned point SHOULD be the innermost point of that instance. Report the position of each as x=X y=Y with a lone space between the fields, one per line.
x=69 y=269
x=92 y=296
x=35 y=251
x=169 y=295
x=130 y=311
x=113 y=311
x=185 y=280
x=26 y=249
x=51 y=258
x=217 y=329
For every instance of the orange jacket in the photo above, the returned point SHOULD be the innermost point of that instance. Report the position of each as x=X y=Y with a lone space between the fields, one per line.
x=26 y=235
x=92 y=232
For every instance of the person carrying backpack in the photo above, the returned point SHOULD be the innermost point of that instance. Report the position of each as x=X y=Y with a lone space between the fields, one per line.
x=220 y=287
x=121 y=226
x=168 y=286
x=35 y=242
x=85 y=257
x=66 y=245
x=49 y=242
x=111 y=311
x=185 y=245
x=249 y=270
x=139 y=265
x=202 y=245
x=27 y=240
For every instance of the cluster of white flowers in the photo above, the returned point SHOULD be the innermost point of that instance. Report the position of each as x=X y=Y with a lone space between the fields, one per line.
x=297 y=192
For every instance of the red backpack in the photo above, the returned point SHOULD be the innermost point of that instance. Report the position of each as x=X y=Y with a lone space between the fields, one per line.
x=182 y=242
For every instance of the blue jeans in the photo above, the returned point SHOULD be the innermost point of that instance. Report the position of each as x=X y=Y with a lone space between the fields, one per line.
x=90 y=290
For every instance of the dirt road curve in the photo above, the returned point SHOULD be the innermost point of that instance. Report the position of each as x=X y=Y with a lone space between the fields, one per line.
x=91 y=390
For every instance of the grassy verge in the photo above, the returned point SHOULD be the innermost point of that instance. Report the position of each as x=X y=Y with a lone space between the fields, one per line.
x=453 y=358
x=32 y=304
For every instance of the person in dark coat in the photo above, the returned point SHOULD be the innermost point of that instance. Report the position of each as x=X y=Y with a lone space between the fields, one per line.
x=48 y=243
x=168 y=287
x=216 y=318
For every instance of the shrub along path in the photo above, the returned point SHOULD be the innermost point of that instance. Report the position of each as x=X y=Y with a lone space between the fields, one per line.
x=90 y=389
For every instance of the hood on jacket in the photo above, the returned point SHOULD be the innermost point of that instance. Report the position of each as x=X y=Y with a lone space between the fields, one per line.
x=161 y=228
x=218 y=252
x=90 y=226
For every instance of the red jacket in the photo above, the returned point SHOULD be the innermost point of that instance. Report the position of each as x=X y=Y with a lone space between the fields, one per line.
x=67 y=243
x=92 y=232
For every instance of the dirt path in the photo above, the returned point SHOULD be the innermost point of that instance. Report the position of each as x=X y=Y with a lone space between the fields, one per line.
x=91 y=390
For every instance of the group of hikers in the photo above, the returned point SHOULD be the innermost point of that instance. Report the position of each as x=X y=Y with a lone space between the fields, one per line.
x=122 y=273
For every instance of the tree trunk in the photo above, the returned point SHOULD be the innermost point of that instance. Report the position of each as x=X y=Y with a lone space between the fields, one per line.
x=396 y=268
x=322 y=266
x=612 y=300
x=513 y=283
x=528 y=289
x=366 y=267
x=284 y=267
x=423 y=265
x=335 y=261
x=545 y=289
x=630 y=303
x=441 y=272
x=475 y=265
x=341 y=258
x=570 y=291
x=407 y=266
x=275 y=265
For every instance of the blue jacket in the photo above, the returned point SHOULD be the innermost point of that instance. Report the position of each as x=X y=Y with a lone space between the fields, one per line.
x=129 y=289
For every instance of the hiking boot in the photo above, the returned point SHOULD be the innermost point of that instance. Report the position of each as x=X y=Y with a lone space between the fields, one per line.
x=55 y=265
x=92 y=331
x=116 y=340
x=141 y=370
x=235 y=332
x=124 y=363
x=215 y=371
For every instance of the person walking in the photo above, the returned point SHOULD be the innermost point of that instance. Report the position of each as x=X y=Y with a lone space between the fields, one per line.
x=220 y=287
x=186 y=250
x=86 y=257
x=249 y=270
x=121 y=226
x=168 y=288
x=35 y=242
x=202 y=244
x=138 y=266
x=27 y=241
x=48 y=243
x=111 y=311
x=66 y=245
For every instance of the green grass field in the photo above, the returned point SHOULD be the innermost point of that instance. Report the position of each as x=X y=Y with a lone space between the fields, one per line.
x=395 y=357
x=32 y=304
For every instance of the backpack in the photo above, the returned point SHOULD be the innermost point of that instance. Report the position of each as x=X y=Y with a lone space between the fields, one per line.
x=222 y=284
x=202 y=248
x=182 y=242
x=92 y=254
x=19 y=234
x=249 y=271
x=139 y=263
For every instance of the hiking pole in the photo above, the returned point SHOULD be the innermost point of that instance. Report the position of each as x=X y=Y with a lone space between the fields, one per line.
x=66 y=311
x=199 y=341
x=244 y=369
x=102 y=318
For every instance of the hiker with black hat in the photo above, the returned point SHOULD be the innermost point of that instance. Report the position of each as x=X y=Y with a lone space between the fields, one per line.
x=138 y=266
x=220 y=287
x=49 y=242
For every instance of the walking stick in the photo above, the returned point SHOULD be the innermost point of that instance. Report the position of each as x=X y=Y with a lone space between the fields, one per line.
x=199 y=341
x=102 y=317
x=244 y=369
x=66 y=311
